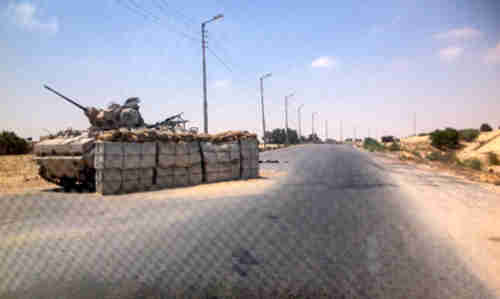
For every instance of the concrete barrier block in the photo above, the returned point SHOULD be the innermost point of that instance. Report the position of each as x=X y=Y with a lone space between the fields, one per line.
x=254 y=172
x=180 y=171
x=129 y=186
x=223 y=157
x=148 y=149
x=249 y=155
x=225 y=167
x=108 y=188
x=148 y=161
x=208 y=147
x=245 y=173
x=130 y=175
x=108 y=161
x=225 y=175
x=165 y=181
x=166 y=148
x=181 y=180
x=131 y=161
x=212 y=177
x=109 y=148
x=210 y=168
x=166 y=161
x=195 y=178
x=235 y=171
x=146 y=178
x=223 y=147
x=108 y=175
x=194 y=148
x=195 y=169
x=182 y=161
x=161 y=172
x=194 y=159
x=210 y=157
x=234 y=156
x=181 y=149
x=130 y=148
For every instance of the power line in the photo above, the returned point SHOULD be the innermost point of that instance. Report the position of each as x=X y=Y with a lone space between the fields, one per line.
x=220 y=60
x=138 y=10
x=186 y=17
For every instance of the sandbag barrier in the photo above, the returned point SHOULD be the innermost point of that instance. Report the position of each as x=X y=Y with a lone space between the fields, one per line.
x=125 y=167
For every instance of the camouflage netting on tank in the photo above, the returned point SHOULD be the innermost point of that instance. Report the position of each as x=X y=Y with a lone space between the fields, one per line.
x=145 y=135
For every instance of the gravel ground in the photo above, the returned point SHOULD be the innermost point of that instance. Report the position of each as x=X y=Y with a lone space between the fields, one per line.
x=327 y=217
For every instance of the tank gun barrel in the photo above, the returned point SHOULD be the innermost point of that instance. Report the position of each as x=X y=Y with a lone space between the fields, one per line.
x=66 y=98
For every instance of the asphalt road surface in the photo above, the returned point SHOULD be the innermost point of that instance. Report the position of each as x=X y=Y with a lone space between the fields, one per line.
x=327 y=220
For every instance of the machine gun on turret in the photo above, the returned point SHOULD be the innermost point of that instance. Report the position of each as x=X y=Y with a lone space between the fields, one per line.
x=171 y=122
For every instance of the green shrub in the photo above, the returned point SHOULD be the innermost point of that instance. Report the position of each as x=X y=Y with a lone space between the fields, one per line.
x=434 y=156
x=372 y=145
x=448 y=157
x=395 y=147
x=12 y=144
x=473 y=163
x=485 y=128
x=468 y=135
x=423 y=134
x=445 y=139
x=493 y=159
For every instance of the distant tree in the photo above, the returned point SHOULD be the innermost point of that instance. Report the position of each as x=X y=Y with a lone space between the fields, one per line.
x=313 y=138
x=330 y=141
x=278 y=136
x=468 y=135
x=445 y=139
x=12 y=144
x=485 y=128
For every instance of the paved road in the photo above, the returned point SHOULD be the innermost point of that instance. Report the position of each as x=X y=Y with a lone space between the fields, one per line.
x=329 y=219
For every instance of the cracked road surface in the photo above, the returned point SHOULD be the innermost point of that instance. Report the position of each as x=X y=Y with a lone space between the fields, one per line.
x=327 y=217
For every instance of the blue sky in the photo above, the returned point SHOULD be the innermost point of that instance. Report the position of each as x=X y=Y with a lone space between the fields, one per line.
x=369 y=64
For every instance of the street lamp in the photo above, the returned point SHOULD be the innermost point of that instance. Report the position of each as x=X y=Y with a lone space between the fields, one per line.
x=262 y=103
x=300 y=120
x=203 y=47
x=312 y=126
x=286 y=116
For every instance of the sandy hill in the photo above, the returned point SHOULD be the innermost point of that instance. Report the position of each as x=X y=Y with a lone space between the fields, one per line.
x=486 y=142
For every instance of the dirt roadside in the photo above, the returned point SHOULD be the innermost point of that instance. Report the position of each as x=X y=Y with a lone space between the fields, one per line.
x=463 y=213
x=19 y=173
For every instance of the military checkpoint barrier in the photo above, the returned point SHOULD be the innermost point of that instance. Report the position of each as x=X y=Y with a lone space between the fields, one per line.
x=130 y=162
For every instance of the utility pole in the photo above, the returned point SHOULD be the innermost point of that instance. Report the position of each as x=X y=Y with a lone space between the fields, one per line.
x=286 y=117
x=341 y=137
x=300 y=120
x=326 y=129
x=312 y=126
x=415 y=123
x=204 y=64
x=262 y=106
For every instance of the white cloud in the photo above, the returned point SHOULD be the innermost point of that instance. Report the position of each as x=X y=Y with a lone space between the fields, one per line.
x=325 y=62
x=493 y=55
x=25 y=16
x=450 y=54
x=460 y=33
x=221 y=83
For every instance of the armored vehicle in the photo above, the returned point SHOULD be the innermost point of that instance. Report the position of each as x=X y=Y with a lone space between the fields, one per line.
x=67 y=158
